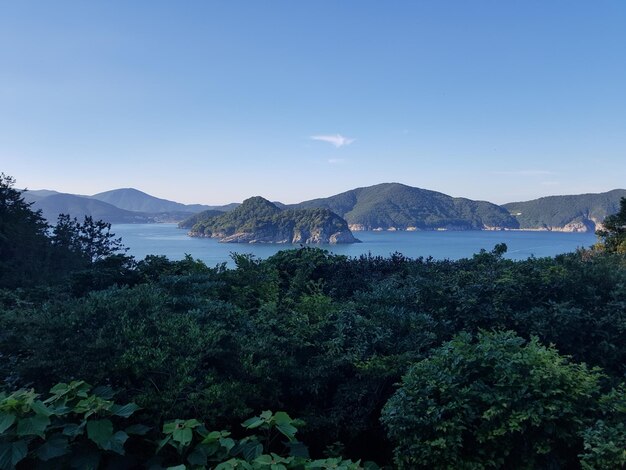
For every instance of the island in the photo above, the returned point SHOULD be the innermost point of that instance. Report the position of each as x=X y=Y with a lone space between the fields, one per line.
x=258 y=220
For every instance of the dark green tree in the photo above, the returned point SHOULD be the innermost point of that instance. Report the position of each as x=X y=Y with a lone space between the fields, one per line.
x=613 y=233
x=23 y=238
x=92 y=240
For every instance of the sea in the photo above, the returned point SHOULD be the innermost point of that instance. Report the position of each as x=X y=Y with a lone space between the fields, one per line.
x=174 y=243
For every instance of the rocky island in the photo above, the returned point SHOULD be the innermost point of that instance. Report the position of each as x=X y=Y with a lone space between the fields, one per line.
x=258 y=220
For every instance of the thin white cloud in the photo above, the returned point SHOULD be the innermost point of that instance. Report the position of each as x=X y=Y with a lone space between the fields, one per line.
x=550 y=183
x=334 y=161
x=523 y=173
x=337 y=140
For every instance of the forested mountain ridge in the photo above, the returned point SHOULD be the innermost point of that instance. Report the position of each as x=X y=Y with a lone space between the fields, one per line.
x=32 y=196
x=398 y=206
x=132 y=199
x=127 y=205
x=386 y=206
x=258 y=220
x=572 y=213
x=79 y=206
x=85 y=206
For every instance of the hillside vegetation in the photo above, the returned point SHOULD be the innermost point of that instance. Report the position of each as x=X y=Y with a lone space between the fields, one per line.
x=399 y=206
x=576 y=212
x=257 y=220
x=111 y=362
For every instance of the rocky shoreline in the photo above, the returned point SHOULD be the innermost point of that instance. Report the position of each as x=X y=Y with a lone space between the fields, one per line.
x=572 y=227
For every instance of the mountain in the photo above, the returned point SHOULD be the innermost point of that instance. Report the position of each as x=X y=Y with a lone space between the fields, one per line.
x=257 y=220
x=387 y=206
x=394 y=206
x=37 y=194
x=575 y=213
x=79 y=206
x=132 y=199
x=126 y=205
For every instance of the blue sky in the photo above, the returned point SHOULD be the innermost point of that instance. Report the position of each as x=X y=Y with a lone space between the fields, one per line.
x=212 y=102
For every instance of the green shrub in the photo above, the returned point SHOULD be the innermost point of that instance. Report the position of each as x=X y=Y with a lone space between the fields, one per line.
x=495 y=401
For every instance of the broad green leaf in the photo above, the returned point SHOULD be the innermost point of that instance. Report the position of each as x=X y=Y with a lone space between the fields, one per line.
x=61 y=410
x=252 y=450
x=264 y=459
x=234 y=464
x=287 y=430
x=55 y=446
x=280 y=417
x=73 y=429
x=177 y=467
x=59 y=389
x=6 y=421
x=20 y=450
x=124 y=410
x=253 y=423
x=169 y=428
x=11 y=453
x=213 y=436
x=227 y=443
x=201 y=430
x=116 y=443
x=6 y=454
x=182 y=435
x=323 y=463
x=33 y=426
x=100 y=431
x=192 y=423
x=41 y=409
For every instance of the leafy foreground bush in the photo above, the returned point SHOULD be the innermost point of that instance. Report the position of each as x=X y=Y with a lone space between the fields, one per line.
x=77 y=427
x=499 y=402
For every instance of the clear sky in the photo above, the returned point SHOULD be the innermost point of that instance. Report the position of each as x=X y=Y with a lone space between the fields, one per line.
x=212 y=102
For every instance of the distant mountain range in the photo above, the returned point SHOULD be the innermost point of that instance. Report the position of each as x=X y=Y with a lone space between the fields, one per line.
x=576 y=213
x=387 y=206
x=79 y=206
x=126 y=205
x=134 y=200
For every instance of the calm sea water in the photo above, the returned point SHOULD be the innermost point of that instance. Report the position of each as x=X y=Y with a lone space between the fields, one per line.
x=168 y=240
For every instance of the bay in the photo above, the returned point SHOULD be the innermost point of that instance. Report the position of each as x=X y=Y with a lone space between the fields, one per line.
x=170 y=241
